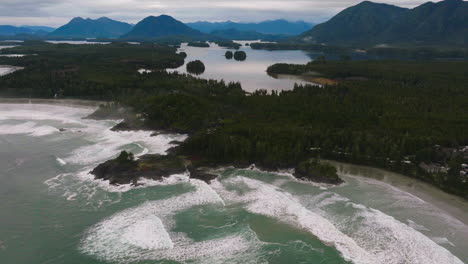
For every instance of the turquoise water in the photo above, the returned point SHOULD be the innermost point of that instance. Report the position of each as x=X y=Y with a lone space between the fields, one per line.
x=53 y=211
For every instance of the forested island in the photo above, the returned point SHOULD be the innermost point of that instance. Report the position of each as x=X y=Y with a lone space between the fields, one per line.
x=196 y=67
x=374 y=52
x=198 y=44
x=405 y=116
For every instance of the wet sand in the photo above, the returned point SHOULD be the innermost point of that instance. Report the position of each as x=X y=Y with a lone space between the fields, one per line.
x=451 y=204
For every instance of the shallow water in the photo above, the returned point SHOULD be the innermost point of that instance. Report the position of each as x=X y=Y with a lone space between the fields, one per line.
x=251 y=73
x=52 y=211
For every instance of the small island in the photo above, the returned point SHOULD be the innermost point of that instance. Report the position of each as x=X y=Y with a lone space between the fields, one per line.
x=196 y=67
x=229 y=44
x=240 y=55
x=198 y=44
x=126 y=169
x=317 y=171
x=228 y=55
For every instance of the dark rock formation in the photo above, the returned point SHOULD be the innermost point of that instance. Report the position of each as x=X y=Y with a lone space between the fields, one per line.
x=197 y=173
x=316 y=171
x=125 y=169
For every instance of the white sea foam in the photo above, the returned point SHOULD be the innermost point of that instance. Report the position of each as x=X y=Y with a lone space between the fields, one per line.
x=144 y=233
x=61 y=161
x=148 y=233
x=89 y=194
x=4 y=70
x=416 y=226
x=387 y=239
x=103 y=143
x=266 y=199
x=43 y=112
x=442 y=241
x=95 y=193
x=394 y=242
x=28 y=128
x=107 y=144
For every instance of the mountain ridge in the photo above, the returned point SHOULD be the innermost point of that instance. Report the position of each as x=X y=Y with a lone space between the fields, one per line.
x=153 y=27
x=102 y=27
x=273 y=27
x=369 y=23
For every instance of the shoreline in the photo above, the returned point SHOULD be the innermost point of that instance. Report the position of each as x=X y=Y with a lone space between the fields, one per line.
x=10 y=69
x=62 y=102
x=451 y=204
x=448 y=203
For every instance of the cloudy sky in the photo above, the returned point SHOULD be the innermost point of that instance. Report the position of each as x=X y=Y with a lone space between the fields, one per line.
x=58 y=12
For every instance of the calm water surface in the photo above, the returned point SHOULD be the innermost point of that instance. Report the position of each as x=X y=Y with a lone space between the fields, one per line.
x=251 y=73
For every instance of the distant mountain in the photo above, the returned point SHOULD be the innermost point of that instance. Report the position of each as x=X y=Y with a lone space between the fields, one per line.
x=369 y=23
x=234 y=34
x=31 y=31
x=89 y=28
x=357 y=24
x=444 y=22
x=7 y=30
x=275 y=27
x=160 y=27
x=40 y=28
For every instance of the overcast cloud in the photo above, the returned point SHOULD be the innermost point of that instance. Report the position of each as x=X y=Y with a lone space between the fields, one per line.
x=58 y=12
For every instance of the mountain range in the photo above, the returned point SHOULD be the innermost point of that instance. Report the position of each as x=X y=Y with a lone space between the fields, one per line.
x=160 y=27
x=365 y=24
x=273 y=27
x=7 y=30
x=88 y=28
x=235 y=34
x=369 y=23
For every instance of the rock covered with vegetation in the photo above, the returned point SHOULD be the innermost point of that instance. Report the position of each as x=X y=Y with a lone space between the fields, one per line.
x=228 y=55
x=125 y=169
x=240 y=55
x=229 y=44
x=316 y=171
x=196 y=67
x=198 y=44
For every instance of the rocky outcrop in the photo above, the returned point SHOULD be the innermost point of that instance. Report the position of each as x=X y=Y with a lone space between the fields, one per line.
x=316 y=171
x=125 y=169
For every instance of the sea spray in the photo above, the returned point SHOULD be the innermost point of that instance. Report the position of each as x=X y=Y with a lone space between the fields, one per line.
x=119 y=238
x=269 y=200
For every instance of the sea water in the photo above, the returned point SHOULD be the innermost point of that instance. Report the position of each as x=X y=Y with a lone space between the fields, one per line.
x=53 y=211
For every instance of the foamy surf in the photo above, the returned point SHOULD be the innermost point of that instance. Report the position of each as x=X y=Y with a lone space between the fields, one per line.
x=29 y=128
x=384 y=237
x=269 y=200
x=61 y=161
x=107 y=144
x=43 y=112
x=145 y=233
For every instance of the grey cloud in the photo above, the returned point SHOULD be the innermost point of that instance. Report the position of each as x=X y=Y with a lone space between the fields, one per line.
x=57 y=12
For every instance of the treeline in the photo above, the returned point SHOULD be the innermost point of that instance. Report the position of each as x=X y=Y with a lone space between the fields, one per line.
x=84 y=71
x=384 y=52
x=388 y=114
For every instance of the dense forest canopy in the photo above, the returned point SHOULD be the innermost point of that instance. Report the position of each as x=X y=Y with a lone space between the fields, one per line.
x=390 y=114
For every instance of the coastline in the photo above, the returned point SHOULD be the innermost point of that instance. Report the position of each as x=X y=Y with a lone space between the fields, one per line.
x=62 y=102
x=451 y=204
x=9 y=69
